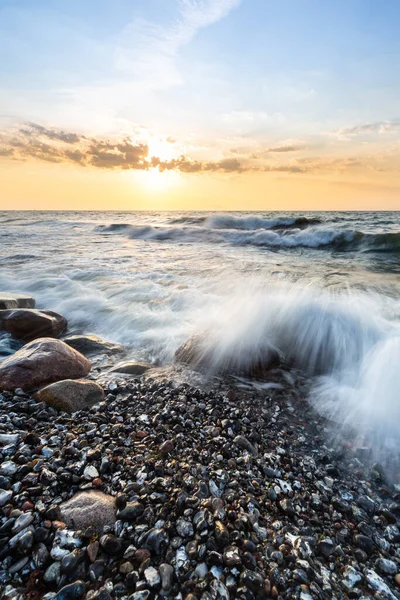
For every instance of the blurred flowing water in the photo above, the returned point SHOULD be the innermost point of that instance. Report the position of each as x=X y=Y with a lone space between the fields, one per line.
x=322 y=288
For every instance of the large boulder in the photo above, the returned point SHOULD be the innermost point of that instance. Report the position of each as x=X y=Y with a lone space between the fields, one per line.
x=42 y=362
x=131 y=368
x=30 y=324
x=207 y=352
x=89 y=345
x=10 y=300
x=71 y=395
x=89 y=509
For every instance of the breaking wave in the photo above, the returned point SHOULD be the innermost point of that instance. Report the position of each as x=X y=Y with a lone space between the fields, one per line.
x=253 y=223
x=347 y=343
x=283 y=235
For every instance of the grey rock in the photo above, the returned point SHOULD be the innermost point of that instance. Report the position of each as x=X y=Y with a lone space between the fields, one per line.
x=5 y=496
x=386 y=566
x=244 y=444
x=89 y=509
x=167 y=574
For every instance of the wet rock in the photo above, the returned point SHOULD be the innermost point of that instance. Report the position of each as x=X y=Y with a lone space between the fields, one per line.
x=52 y=573
x=5 y=496
x=111 y=543
x=88 y=345
x=29 y=324
x=8 y=468
x=184 y=528
x=243 y=443
x=221 y=534
x=42 y=362
x=325 y=547
x=166 y=447
x=90 y=472
x=156 y=540
x=365 y=543
x=41 y=556
x=203 y=351
x=89 y=509
x=252 y=580
x=351 y=578
x=377 y=584
x=386 y=566
x=70 y=561
x=9 y=300
x=166 y=574
x=132 y=511
x=131 y=368
x=73 y=591
x=152 y=577
x=231 y=557
x=367 y=504
x=71 y=395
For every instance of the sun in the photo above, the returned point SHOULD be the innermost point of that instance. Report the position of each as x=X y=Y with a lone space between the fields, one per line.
x=154 y=180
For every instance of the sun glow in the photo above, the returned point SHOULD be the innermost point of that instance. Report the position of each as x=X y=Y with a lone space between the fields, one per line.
x=157 y=181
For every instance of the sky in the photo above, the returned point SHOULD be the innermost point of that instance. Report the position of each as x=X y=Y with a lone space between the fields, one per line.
x=199 y=104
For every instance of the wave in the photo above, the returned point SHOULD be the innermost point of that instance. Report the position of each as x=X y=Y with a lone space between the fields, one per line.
x=311 y=237
x=348 y=344
x=113 y=228
x=253 y=223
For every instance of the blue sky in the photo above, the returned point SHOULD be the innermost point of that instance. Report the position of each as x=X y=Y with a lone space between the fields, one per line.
x=313 y=62
x=220 y=80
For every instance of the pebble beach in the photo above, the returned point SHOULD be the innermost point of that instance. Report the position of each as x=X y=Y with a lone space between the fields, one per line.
x=155 y=483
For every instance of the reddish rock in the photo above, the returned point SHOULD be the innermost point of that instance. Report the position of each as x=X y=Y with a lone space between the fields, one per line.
x=93 y=550
x=30 y=324
x=166 y=447
x=27 y=505
x=141 y=555
x=42 y=362
x=97 y=482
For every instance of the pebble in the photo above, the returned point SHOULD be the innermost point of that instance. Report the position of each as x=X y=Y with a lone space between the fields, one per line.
x=152 y=577
x=212 y=495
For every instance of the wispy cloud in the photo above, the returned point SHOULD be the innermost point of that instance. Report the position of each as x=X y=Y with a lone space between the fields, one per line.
x=379 y=128
x=149 y=51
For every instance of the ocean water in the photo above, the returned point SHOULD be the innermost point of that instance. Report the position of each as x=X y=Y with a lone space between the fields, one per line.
x=322 y=288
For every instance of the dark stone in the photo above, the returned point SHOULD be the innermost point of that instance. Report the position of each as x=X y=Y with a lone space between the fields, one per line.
x=132 y=511
x=73 y=591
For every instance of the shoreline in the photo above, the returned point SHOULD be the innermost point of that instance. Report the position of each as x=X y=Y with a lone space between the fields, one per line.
x=170 y=486
x=252 y=502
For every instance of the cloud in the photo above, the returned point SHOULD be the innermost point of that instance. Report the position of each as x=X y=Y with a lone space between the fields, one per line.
x=52 y=134
x=292 y=148
x=52 y=145
x=379 y=127
x=57 y=146
x=148 y=50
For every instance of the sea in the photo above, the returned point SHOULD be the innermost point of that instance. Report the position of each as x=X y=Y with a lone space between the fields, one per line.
x=322 y=288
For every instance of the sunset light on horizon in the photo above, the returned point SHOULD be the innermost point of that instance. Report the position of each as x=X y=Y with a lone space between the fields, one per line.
x=199 y=104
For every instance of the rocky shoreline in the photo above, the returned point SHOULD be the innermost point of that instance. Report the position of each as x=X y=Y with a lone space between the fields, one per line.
x=161 y=486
